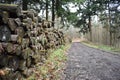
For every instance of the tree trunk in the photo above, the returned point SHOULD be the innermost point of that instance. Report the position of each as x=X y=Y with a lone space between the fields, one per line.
x=46 y=9
x=110 y=24
x=57 y=7
x=90 y=28
x=89 y=23
x=25 y=3
x=53 y=13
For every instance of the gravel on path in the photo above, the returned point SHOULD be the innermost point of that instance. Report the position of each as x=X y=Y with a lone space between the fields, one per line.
x=85 y=63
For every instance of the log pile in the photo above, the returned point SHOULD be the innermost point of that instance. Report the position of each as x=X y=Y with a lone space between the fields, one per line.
x=24 y=42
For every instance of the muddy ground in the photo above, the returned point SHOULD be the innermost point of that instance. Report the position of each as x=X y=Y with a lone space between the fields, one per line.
x=85 y=63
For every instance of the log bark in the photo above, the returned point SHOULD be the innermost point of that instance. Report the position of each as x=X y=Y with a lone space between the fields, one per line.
x=13 y=9
x=4 y=60
x=10 y=47
x=22 y=65
x=20 y=31
x=26 y=53
x=5 y=16
x=18 y=22
x=4 y=72
x=27 y=72
x=14 y=38
x=25 y=43
x=28 y=62
x=36 y=58
x=15 y=76
x=12 y=24
x=13 y=62
x=18 y=50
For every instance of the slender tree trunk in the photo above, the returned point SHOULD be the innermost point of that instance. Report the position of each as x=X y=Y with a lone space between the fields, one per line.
x=89 y=23
x=53 y=12
x=90 y=28
x=110 y=25
x=25 y=3
x=57 y=7
x=46 y=9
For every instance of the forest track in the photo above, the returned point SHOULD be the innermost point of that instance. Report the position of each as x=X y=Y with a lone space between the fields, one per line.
x=85 y=63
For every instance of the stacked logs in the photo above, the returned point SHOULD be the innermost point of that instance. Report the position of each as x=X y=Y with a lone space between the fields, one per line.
x=24 y=41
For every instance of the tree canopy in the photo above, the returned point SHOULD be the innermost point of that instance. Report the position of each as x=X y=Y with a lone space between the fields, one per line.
x=85 y=9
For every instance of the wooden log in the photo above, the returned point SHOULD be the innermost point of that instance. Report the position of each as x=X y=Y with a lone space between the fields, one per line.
x=34 y=33
x=1 y=48
x=24 y=11
x=28 y=26
x=19 y=40
x=5 y=33
x=15 y=76
x=43 y=39
x=14 y=49
x=20 y=31
x=28 y=62
x=18 y=50
x=35 y=19
x=10 y=47
x=36 y=57
x=38 y=47
x=26 y=53
x=13 y=62
x=27 y=72
x=18 y=22
x=30 y=14
x=4 y=72
x=27 y=20
x=14 y=38
x=11 y=8
x=39 y=30
x=22 y=65
x=46 y=24
x=12 y=24
x=5 y=16
x=33 y=40
x=25 y=43
x=4 y=60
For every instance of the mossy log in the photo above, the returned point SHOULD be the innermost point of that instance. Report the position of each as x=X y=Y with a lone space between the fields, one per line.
x=11 y=48
x=13 y=62
x=25 y=43
x=29 y=61
x=20 y=31
x=15 y=76
x=27 y=72
x=15 y=10
x=26 y=53
x=3 y=60
x=18 y=50
x=4 y=73
x=22 y=65
x=12 y=24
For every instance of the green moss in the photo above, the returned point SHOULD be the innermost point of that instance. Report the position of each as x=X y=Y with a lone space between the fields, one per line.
x=12 y=5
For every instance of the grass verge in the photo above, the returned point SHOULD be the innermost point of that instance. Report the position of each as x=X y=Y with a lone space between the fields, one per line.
x=53 y=66
x=101 y=46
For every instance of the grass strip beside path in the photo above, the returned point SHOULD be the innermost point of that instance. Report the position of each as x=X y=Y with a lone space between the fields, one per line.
x=101 y=46
x=53 y=66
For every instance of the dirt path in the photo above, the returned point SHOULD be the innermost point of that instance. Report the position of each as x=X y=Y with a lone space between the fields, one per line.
x=85 y=63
